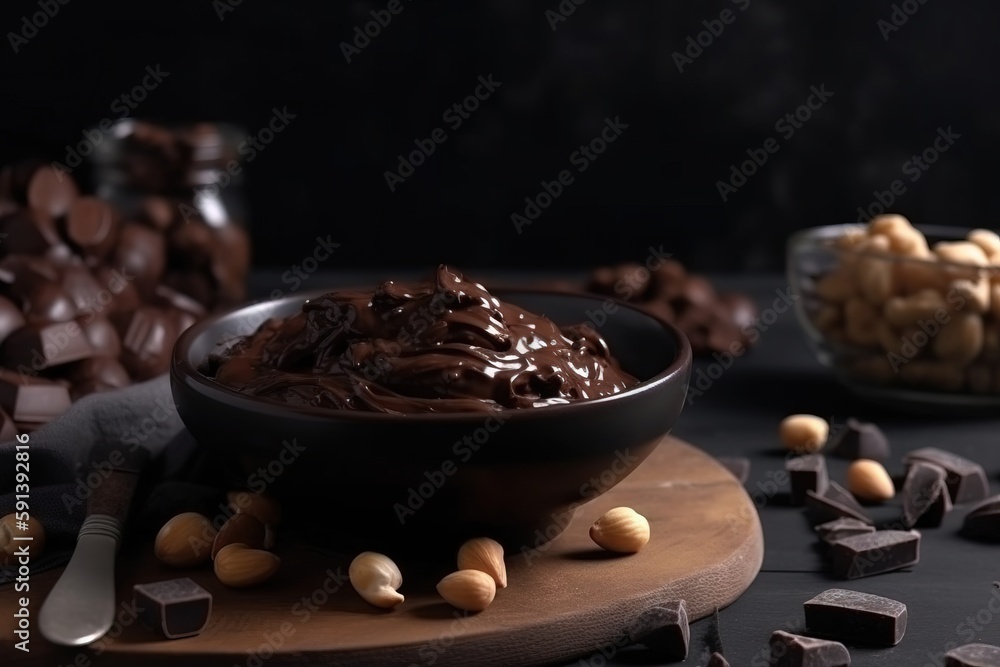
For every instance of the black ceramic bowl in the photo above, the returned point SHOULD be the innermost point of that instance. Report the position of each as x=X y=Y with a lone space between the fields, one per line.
x=381 y=481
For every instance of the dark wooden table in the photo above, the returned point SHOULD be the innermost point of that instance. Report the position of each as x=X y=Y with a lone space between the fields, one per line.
x=949 y=595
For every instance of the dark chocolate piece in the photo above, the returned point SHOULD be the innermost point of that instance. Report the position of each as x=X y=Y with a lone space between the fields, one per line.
x=147 y=336
x=41 y=346
x=983 y=520
x=51 y=191
x=124 y=295
x=875 y=553
x=174 y=608
x=925 y=495
x=27 y=398
x=102 y=336
x=788 y=650
x=81 y=286
x=717 y=660
x=27 y=232
x=11 y=318
x=738 y=465
x=973 y=655
x=141 y=252
x=836 y=503
x=966 y=479
x=103 y=370
x=807 y=473
x=8 y=429
x=664 y=629
x=838 y=529
x=856 y=618
x=92 y=225
x=859 y=440
x=48 y=303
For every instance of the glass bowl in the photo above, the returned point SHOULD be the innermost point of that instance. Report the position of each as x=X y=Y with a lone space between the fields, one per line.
x=902 y=331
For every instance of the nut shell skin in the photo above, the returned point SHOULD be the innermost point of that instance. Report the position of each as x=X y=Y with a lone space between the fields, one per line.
x=622 y=530
x=485 y=555
x=238 y=566
x=185 y=540
x=468 y=590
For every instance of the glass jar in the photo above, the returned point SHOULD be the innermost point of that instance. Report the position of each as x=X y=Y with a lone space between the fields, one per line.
x=186 y=181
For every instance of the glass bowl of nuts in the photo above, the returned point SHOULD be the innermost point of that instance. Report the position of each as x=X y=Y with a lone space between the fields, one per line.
x=905 y=316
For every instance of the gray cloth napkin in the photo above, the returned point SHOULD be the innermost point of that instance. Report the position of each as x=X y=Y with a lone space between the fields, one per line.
x=142 y=415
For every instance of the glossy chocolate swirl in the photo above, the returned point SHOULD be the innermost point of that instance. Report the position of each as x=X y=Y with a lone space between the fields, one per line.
x=445 y=345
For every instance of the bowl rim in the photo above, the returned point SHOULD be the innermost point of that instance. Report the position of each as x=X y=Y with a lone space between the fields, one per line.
x=183 y=371
x=817 y=237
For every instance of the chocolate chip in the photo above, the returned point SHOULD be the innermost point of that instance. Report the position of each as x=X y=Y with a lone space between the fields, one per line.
x=91 y=226
x=141 y=252
x=874 y=553
x=807 y=473
x=147 y=336
x=838 y=529
x=856 y=618
x=42 y=346
x=174 y=608
x=966 y=479
x=102 y=336
x=788 y=650
x=837 y=502
x=664 y=629
x=859 y=440
x=925 y=495
x=973 y=655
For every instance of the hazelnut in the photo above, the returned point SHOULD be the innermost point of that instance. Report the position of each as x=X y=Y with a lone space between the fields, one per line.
x=803 y=433
x=621 y=529
x=240 y=529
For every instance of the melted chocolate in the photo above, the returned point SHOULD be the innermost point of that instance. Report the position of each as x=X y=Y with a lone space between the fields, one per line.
x=445 y=345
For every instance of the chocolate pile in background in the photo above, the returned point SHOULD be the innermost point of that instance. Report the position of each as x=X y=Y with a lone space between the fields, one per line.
x=713 y=322
x=92 y=298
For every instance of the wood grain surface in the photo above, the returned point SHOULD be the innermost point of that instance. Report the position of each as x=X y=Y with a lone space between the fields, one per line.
x=567 y=598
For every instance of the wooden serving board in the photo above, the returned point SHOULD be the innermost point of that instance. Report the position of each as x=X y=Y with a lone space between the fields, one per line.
x=564 y=600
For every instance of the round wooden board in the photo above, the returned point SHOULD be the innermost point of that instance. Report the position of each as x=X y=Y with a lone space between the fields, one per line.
x=563 y=600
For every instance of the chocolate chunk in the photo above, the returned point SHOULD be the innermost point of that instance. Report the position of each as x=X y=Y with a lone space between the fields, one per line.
x=859 y=440
x=738 y=465
x=41 y=346
x=102 y=336
x=91 y=226
x=148 y=335
x=966 y=479
x=51 y=191
x=82 y=288
x=172 y=298
x=102 y=370
x=925 y=495
x=838 y=529
x=788 y=650
x=11 y=318
x=875 y=553
x=174 y=608
x=141 y=252
x=120 y=284
x=191 y=244
x=836 y=503
x=983 y=520
x=664 y=629
x=973 y=655
x=807 y=473
x=27 y=398
x=717 y=660
x=27 y=232
x=48 y=303
x=160 y=212
x=856 y=618
x=8 y=429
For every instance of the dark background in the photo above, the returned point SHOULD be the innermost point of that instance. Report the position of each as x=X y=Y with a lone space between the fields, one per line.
x=655 y=185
